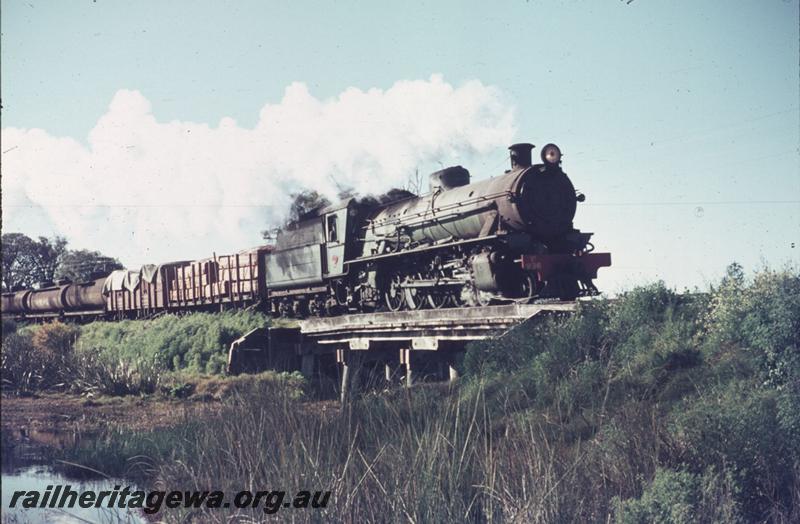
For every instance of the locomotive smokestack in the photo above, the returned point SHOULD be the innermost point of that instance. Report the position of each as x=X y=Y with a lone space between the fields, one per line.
x=521 y=155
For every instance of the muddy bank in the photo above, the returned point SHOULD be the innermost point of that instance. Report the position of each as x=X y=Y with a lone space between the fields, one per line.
x=58 y=419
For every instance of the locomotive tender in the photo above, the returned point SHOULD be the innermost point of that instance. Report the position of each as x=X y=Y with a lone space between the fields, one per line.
x=507 y=238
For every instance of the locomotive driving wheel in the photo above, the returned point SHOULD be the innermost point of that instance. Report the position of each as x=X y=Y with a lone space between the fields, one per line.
x=337 y=299
x=456 y=297
x=415 y=297
x=438 y=298
x=395 y=295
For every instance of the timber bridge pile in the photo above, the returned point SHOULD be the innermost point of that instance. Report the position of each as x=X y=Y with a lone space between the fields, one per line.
x=400 y=347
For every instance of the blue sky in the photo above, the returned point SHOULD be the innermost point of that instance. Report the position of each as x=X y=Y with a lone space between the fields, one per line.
x=679 y=120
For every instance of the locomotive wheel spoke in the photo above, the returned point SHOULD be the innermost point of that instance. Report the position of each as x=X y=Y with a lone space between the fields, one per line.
x=395 y=295
x=438 y=299
x=437 y=296
x=456 y=297
x=415 y=297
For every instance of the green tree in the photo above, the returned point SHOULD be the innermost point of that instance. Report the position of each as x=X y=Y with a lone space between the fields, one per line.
x=81 y=265
x=27 y=261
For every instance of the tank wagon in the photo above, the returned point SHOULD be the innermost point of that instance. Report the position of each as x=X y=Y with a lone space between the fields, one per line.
x=75 y=299
x=506 y=238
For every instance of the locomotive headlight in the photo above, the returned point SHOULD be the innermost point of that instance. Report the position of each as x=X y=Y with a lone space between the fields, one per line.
x=551 y=154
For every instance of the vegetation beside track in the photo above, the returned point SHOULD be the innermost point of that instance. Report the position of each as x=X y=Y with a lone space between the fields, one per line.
x=119 y=358
x=656 y=407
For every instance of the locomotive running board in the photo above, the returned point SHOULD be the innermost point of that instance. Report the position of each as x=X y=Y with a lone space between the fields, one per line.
x=417 y=250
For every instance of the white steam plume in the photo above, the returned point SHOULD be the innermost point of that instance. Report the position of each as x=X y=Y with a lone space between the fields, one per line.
x=150 y=191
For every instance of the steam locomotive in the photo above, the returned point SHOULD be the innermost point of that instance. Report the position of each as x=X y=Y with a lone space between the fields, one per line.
x=507 y=238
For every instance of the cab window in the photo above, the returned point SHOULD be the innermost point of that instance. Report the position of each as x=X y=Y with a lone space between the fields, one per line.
x=332 y=228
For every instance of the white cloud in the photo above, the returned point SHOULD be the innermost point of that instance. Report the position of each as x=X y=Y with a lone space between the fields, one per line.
x=145 y=190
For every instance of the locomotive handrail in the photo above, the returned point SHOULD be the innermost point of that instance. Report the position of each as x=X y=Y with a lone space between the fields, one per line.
x=425 y=220
x=417 y=250
x=423 y=215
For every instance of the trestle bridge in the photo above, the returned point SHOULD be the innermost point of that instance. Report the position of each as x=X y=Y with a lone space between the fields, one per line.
x=403 y=346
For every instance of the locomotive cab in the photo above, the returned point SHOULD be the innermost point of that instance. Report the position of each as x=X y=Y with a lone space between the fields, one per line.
x=338 y=223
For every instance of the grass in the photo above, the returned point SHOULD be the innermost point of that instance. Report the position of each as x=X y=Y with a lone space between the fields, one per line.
x=196 y=342
x=656 y=407
x=218 y=388
x=120 y=358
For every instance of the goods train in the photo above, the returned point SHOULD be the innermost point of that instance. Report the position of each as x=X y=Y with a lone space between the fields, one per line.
x=507 y=238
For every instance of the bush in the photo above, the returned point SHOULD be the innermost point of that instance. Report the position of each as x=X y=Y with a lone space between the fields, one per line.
x=97 y=373
x=640 y=344
x=762 y=317
x=20 y=367
x=197 y=342
x=684 y=385
x=262 y=385
x=678 y=497
x=557 y=341
x=128 y=357
x=38 y=357
x=55 y=339
x=738 y=430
